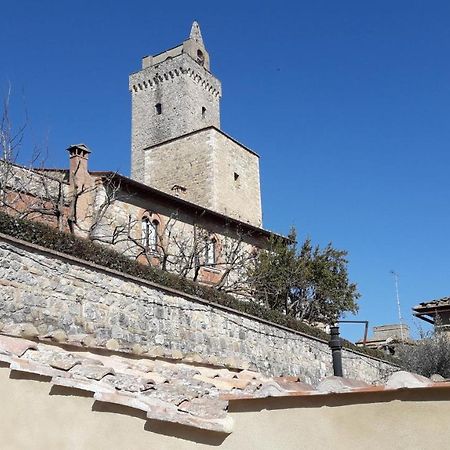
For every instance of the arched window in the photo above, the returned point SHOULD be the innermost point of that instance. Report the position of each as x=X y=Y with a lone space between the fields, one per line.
x=158 y=108
x=150 y=234
x=210 y=252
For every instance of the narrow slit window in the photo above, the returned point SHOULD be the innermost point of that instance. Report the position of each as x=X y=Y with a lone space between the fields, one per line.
x=236 y=176
x=203 y=112
x=158 y=108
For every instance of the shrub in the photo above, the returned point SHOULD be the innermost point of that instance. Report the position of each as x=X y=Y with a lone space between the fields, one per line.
x=45 y=236
x=429 y=356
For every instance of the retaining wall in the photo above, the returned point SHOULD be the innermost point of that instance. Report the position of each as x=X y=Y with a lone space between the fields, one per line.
x=45 y=293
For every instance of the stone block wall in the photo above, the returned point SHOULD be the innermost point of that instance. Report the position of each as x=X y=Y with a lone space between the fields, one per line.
x=182 y=88
x=43 y=293
x=216 y=172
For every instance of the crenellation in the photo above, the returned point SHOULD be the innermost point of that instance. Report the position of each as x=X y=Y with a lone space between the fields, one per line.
x=189 y=103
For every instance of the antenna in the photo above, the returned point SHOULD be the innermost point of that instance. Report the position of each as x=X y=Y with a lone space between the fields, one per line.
x=395 y=275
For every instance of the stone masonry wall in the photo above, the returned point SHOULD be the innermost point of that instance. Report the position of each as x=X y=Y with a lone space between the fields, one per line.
x=216 y=171
x=182 y=88
x=47 y=294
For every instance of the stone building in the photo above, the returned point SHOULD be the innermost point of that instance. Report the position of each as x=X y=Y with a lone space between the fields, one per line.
x=177 y=144
x=192 y=205
x=387 y=338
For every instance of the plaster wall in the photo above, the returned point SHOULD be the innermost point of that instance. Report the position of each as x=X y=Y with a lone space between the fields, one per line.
x=35 y=416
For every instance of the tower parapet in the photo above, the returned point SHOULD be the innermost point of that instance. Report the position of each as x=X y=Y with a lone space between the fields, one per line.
x=173 y=94
x=176 y=138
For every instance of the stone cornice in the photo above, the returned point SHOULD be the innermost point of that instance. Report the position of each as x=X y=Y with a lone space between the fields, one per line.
x=181 y=65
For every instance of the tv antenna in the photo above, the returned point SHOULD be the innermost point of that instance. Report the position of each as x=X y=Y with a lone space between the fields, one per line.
x=395 y=275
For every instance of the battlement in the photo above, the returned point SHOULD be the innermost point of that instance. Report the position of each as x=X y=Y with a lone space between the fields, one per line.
x=170 y=68
x=176 y=136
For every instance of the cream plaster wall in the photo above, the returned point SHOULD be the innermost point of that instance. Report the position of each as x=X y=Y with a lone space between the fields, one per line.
x=35 y=416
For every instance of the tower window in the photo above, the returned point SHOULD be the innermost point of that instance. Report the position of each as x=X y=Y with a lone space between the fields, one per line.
x=200 y=57
x=203 y=112
x=236 y=176
x=158 y=108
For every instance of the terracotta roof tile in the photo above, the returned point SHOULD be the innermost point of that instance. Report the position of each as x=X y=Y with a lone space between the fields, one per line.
x=444 y=301
x=15 y=346
x=174 y=391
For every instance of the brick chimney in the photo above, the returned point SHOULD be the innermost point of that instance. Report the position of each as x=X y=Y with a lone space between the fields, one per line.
x=80 y=183
x=78 y=169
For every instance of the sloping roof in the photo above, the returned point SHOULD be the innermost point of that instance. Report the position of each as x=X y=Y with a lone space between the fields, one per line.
x=433 y=304
x=429 y=309
x=183 y=204
x=169 y=390
x=208 y=128
x=124 y=181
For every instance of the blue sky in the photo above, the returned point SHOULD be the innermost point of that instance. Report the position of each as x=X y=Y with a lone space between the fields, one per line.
x=348 y=104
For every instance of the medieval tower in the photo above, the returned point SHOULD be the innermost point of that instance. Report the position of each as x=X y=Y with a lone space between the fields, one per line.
x=177 y=145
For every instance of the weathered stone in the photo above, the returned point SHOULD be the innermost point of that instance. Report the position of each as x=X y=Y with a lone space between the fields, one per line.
x=14 y=346
x=156 y=351
x=205 y=407
x=339 y=384
x=137 y=349
x=437 y=378
x=89 y=341
x=193 y=357
x=176 y=354
x=29 y=331
x=293 y=386
x=112 y=344
x=404 y=379
x=266 y=348
x=58 y=336
x=93 y=372
x=129 y=383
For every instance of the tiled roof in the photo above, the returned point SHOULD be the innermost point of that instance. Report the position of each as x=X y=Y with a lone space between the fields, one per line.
x=439 y=303
x=167 y=390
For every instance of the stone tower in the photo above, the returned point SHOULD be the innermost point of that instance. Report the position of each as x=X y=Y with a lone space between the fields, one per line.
x=177 y=145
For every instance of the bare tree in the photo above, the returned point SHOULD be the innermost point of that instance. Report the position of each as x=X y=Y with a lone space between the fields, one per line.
x=94 y=208
x=24 y=190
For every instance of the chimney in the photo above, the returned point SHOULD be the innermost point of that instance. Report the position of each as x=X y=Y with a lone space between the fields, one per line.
x=78 y=169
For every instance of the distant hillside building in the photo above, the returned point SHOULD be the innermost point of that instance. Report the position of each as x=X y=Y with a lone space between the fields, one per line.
x=387 y=337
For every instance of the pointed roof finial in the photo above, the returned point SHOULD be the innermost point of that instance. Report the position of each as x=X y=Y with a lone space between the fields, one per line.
x=196 y=34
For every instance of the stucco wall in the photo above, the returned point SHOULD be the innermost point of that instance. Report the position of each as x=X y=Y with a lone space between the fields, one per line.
x=57 y=293
x=35 y=416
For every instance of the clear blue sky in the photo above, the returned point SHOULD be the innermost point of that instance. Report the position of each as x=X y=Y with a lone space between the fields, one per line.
x=348 y=104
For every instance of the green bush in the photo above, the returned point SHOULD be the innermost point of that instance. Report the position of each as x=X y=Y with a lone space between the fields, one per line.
x=45 y=236
x=428 y=356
